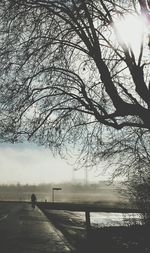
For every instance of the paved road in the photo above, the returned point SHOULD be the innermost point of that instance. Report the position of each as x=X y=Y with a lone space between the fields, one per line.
x=23 y=230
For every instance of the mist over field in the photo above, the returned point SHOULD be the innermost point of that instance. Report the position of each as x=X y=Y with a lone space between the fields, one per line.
x=101 y=192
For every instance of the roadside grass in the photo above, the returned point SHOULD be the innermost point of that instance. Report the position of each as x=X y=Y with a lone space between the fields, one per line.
x=120 y=239
x=131 y=239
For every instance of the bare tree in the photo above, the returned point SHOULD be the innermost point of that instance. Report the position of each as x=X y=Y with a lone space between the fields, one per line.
x=68 y=80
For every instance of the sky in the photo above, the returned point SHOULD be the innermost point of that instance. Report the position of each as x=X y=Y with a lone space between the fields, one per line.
x=21 y=163
x=31 y=164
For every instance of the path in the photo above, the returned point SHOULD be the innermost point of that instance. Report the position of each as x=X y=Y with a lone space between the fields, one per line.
x=23 y=230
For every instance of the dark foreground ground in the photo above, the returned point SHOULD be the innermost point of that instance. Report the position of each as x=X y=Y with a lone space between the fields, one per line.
x=128 y=239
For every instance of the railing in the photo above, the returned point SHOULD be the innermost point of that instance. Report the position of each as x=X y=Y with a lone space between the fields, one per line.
x=87 y=208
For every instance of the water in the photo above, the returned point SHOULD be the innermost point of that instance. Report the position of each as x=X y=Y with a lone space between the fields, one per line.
x=115 y=219
x=104 y=219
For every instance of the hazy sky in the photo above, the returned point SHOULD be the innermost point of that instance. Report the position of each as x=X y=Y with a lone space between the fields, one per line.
x=31 y=164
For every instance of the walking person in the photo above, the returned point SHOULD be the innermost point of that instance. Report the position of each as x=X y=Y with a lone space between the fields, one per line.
x=33 y=200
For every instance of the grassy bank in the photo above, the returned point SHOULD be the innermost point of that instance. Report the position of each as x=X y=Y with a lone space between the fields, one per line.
x=132 y=239
x=127 y=239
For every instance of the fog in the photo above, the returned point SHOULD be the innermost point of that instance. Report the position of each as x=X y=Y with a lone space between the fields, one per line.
x=101 y=192
x=29 y=164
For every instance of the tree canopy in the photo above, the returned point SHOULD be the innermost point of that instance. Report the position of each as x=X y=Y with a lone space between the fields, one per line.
x=67 y=76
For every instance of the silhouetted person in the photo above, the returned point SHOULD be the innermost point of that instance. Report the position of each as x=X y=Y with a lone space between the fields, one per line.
x=33 y=200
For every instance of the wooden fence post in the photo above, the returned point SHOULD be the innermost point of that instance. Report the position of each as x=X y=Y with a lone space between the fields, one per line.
x=88 y=224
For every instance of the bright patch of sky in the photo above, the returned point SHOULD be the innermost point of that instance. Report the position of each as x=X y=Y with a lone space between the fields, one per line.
x=130 y=30
x=29 y=164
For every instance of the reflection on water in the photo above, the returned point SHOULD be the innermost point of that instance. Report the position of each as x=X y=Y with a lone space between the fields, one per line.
x=112 y=219
x=115 y=219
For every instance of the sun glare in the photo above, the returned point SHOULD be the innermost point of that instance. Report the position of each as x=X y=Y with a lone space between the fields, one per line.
x=130 y=30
